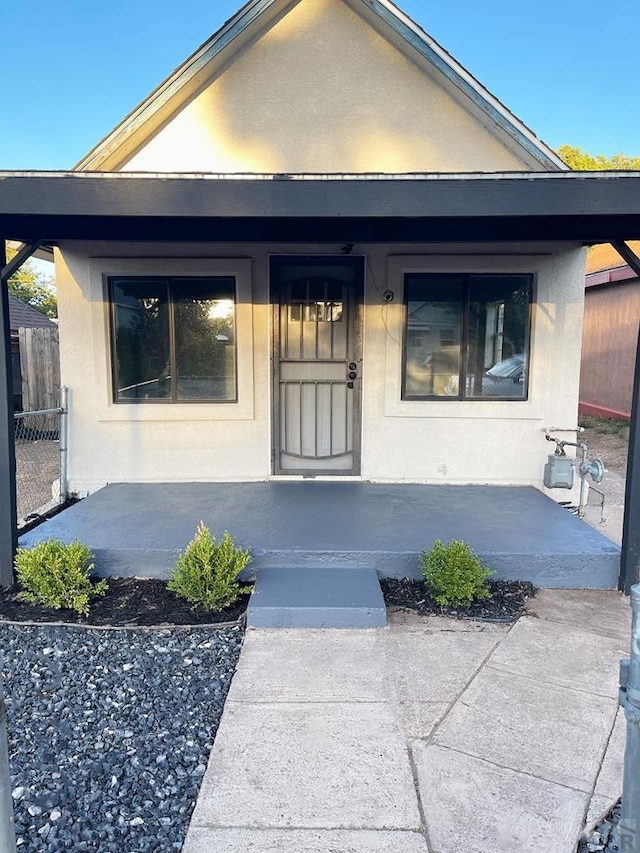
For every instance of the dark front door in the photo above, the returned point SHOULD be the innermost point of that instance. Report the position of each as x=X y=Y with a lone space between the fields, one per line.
x=317 y=362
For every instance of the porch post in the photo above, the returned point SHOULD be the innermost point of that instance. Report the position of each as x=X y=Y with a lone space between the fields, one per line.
x=630 y=557
x=8 y=510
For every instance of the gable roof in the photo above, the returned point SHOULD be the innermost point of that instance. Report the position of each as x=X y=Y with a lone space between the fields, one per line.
x=253 y=20
x=23 y=316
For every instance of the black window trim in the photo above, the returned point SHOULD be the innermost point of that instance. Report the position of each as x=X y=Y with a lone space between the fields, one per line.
x=466 y=276
x=173 y=400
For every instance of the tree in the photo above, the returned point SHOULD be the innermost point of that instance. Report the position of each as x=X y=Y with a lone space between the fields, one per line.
x=582 y=161
x=30 y=286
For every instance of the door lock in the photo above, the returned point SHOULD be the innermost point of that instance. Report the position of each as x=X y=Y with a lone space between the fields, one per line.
x=352 y=374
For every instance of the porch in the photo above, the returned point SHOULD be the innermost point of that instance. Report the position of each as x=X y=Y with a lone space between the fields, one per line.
x=138 y=529
x=520 y=531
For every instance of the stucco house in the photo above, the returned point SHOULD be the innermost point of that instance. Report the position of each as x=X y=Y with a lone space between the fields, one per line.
x=610 y=333
x=288 y=357
x=319 y=249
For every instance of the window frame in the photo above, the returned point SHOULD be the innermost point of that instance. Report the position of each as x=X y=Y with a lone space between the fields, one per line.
x=170 y=280
x=466 y=277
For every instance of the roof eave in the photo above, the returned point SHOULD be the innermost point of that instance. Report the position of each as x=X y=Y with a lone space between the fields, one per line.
x=580 y=207
x=469 y=86
x=185 y=76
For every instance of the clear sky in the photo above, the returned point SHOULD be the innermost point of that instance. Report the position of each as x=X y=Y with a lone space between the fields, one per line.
x=70 y=71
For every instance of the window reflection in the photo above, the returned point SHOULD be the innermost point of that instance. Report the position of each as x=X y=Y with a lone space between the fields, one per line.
x=141 y=338
x=174 y=339
x=466 y=336
x=434 y=333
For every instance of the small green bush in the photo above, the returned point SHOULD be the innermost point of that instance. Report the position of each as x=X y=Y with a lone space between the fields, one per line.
x=206 y=571
x=453 y=574
x=57 y=575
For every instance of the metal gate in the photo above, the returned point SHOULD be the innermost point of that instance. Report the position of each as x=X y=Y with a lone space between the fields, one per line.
x=317 y=364
x=41 y=460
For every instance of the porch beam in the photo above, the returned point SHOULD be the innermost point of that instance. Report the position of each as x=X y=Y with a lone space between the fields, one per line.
x=8 y=508
x=547 y=194
x=340 y=230
x=23 y=254
x=589 y=207
x=628 y=255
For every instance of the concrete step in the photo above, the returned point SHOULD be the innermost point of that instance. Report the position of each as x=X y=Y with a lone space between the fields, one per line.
x=312 y=597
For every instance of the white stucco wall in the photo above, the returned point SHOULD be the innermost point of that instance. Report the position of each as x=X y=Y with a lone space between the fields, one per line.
x=166 y=442
x=322 y=91
x=474 y=441
x=427 y=441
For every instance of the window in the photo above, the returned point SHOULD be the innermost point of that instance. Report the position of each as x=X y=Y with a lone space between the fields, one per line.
x=466 y=336
x=315 y=300
x=173 y=339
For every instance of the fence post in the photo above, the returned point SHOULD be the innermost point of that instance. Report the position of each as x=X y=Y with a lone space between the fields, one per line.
x=8 y=521
x=630 y=554
x=64 y=442
x=630 y=699
x=7 y=830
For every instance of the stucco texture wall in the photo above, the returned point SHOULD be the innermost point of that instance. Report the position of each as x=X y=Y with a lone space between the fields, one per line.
x=475 y=441
x=166 y=442
x=424 y=441
x=322 y=91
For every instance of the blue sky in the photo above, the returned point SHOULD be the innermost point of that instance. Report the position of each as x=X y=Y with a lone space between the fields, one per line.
x=70 y=71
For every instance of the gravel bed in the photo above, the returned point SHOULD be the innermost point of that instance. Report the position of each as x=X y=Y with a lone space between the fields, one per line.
x=605 y=837
x=110 y=732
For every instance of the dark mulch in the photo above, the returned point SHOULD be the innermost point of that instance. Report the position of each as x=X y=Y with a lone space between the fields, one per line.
x=128 y=601
x=507 y=602
x=146 y=601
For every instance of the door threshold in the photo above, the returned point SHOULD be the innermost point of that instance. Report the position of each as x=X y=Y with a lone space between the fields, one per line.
x=326 y=478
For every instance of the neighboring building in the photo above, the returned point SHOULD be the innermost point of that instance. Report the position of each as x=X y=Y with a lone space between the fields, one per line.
x=262 y=348
x=22 y=316
x=610 y=333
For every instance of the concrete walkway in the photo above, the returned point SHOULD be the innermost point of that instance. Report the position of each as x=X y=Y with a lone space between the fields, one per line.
x=429 y=736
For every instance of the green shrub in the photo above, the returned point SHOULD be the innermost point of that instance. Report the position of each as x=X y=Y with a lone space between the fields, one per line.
x=57 y=575
x=453 y=574
x=206 y=572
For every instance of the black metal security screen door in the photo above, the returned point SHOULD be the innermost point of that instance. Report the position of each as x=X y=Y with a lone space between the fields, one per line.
x=317 y=364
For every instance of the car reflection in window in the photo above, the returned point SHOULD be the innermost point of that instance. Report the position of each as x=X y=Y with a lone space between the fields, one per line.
x=505 y=379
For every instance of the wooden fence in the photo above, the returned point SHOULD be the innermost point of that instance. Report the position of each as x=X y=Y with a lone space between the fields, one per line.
x=40 y=367
x=609 y=340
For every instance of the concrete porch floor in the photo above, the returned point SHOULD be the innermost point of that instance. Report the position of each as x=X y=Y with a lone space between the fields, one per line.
x=139 y=529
